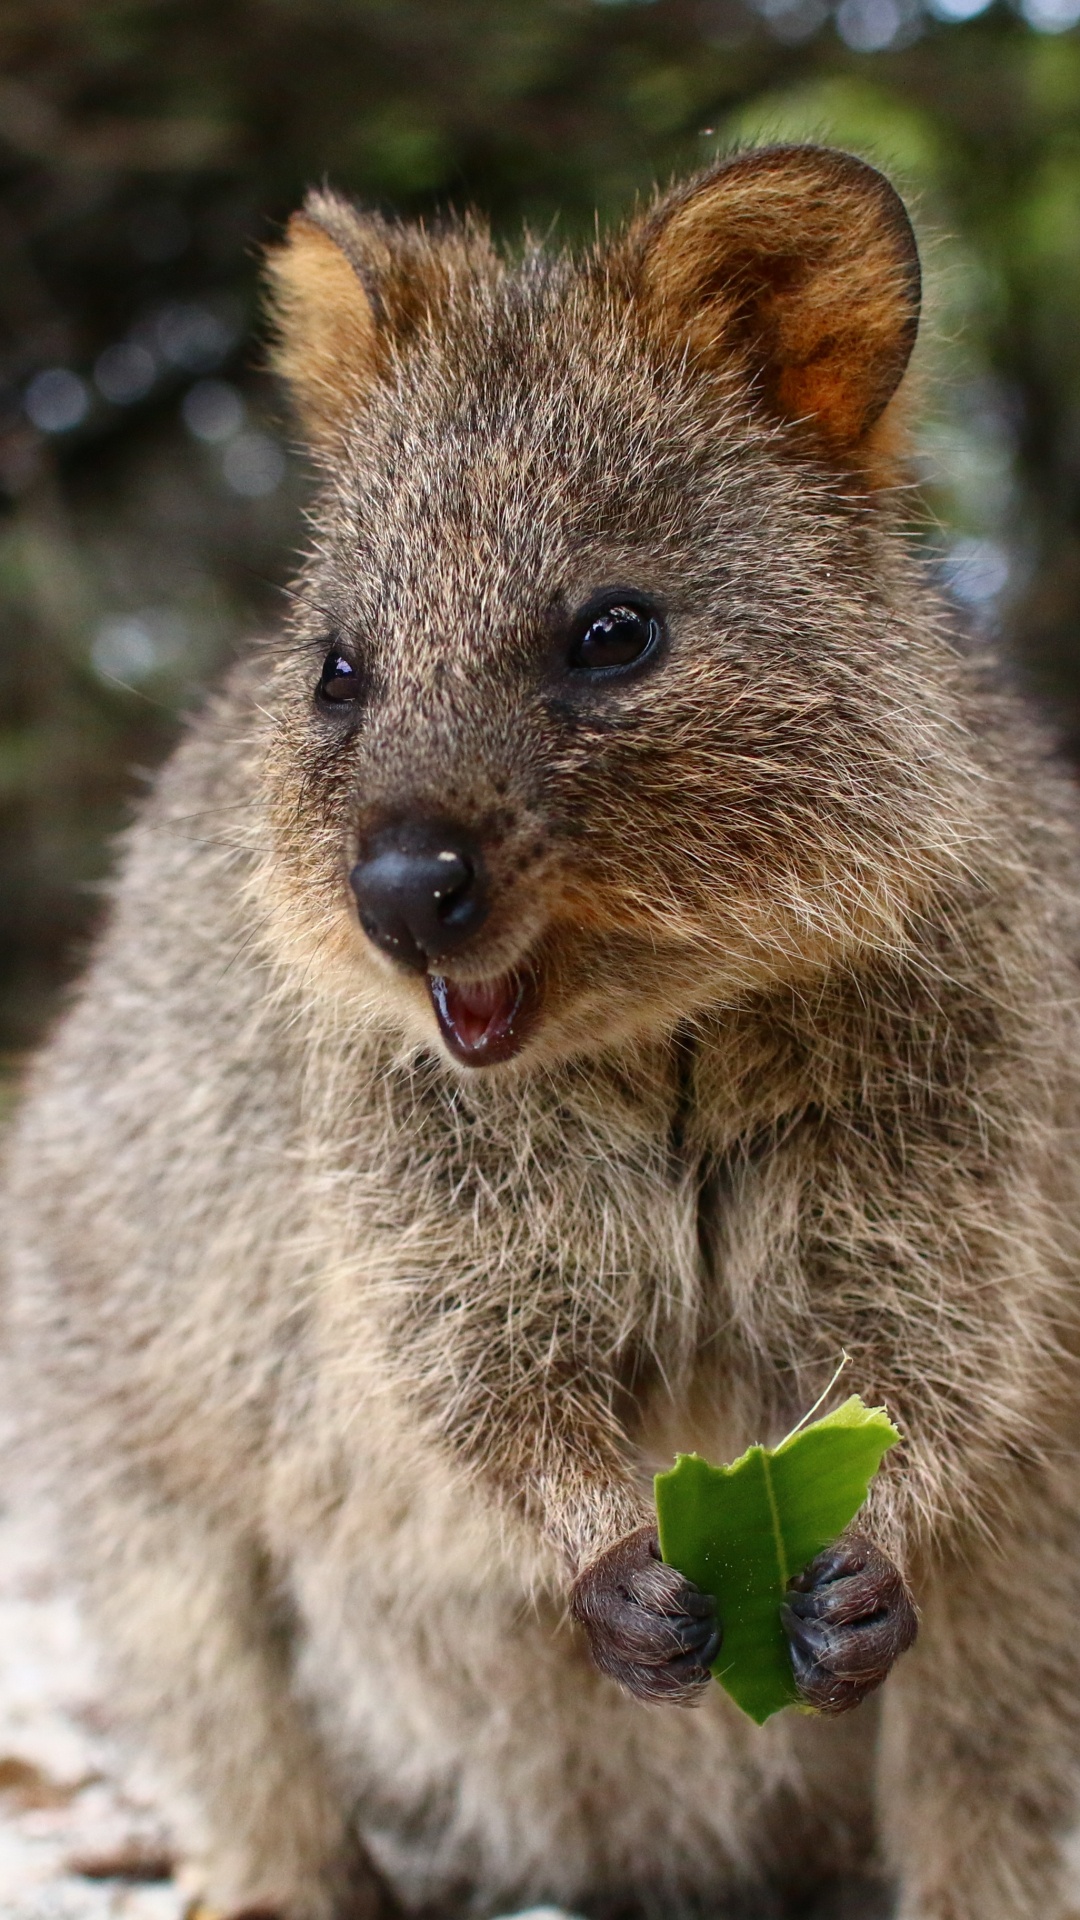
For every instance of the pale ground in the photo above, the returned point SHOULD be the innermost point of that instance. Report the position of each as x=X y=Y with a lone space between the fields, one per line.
x=67 y=1798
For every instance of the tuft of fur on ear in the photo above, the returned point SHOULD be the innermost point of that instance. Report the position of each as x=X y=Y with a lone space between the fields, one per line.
x=347 y=287
x=799 y=264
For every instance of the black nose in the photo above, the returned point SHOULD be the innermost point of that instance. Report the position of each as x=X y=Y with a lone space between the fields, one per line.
x=421 y=892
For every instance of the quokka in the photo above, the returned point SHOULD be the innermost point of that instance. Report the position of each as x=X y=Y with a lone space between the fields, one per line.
x=614 y=951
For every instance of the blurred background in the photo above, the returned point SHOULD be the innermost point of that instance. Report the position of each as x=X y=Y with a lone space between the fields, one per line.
x=150 y=503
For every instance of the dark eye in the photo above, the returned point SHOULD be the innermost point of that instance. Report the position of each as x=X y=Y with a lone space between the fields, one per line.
x=339 y=682
x=614 y=633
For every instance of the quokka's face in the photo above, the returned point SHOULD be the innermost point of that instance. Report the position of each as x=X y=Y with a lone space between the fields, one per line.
x=597 y=710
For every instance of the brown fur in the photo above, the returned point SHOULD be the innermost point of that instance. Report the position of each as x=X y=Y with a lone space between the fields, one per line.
x=344 y=290
x=804 y=262
x=343 y=1362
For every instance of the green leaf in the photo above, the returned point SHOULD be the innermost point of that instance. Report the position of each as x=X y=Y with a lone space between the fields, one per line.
x=743 y=1532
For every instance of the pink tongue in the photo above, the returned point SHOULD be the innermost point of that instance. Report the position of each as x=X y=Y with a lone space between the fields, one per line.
x=483 y=1022
x=472 y=1011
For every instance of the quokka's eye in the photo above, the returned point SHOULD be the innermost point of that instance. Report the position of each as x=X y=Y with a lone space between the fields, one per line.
x=614 y=633
x=339 y=682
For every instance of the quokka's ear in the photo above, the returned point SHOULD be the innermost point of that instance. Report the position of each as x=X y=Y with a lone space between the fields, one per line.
x=345 y=288
x=799 y=263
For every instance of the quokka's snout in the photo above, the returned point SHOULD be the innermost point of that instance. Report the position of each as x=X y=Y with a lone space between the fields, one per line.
x=422 y=891
x=447 y=894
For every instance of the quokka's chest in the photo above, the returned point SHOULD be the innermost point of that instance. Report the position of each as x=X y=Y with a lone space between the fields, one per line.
x=576 y=1203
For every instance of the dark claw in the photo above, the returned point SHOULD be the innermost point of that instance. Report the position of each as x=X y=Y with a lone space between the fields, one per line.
x=811 y=1641
x=647 y=1627
x=847 y=1616
x=848 y=1555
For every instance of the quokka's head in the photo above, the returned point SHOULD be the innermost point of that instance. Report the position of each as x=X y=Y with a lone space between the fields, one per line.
x=606 y=699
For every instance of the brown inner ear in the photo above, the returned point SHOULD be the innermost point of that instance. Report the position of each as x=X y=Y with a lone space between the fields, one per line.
x=801 y=264
x=327 y=343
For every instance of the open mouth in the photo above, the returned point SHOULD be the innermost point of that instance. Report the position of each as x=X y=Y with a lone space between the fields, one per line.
x=484 y=1021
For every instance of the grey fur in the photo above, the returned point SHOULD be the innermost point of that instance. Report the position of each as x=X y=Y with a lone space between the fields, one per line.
x=342 y=1362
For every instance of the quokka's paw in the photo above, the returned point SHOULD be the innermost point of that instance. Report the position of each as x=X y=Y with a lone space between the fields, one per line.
x=647 y=1626
x=847 y=1617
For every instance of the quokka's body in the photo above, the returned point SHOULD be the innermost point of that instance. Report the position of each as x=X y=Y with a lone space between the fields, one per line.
x=376 y=1236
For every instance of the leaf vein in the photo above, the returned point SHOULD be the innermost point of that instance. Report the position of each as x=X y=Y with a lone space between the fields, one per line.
x=774 y=1514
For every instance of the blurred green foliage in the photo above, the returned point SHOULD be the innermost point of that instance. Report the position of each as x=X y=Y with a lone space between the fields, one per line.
x=149 y=148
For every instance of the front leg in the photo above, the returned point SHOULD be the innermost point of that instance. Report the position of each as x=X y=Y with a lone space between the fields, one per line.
x=848 y=1616
x=647 y=1626
x=533 y=1421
